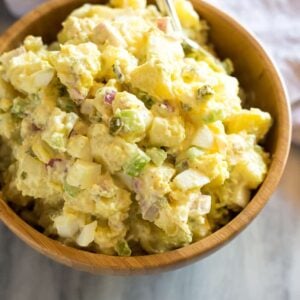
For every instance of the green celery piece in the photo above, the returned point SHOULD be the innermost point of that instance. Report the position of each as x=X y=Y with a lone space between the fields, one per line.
x=19 y=107
x=136 y=164
x=193 y=152
x=131 y=120
x=73 y=191
x=213 y=116
x=202 y=54
x=122 y=248
x=57 y=141
x=158 y=156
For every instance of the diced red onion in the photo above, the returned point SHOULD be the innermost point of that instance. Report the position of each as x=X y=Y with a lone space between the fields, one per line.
x=109 y=97
x=35 y=128
x=167 y=106
x=53 y=161
x=136 y=185
x=162 y=24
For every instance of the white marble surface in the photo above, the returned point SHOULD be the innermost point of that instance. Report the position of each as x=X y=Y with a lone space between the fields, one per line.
x=261 y=263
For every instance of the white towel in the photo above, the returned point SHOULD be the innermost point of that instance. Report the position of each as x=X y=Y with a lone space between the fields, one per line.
x=277 y=24
x=20 y=7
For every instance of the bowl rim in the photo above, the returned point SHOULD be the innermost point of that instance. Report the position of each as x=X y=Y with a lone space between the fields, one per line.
x=100 y=263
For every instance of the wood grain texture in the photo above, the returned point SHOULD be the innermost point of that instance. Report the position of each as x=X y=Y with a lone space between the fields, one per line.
x=258 y=76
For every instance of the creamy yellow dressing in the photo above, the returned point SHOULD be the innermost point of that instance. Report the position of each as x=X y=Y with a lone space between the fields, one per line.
x=120 y=139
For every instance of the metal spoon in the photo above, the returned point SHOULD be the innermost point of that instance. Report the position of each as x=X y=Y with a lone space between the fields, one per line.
x=167 y=7
x=296 y=123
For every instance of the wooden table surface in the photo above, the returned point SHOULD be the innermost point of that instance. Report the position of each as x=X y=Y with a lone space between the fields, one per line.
x=261 y=263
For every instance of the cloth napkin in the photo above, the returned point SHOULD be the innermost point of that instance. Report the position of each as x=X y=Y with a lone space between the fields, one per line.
x=20 y=7
x=275 y=22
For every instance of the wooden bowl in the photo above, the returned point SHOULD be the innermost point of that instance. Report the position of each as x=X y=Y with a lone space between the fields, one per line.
x=263 y=85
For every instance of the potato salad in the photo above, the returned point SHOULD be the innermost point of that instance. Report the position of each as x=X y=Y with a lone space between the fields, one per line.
x=120 y=139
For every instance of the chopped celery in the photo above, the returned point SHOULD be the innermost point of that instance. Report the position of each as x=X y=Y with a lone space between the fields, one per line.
x=131 y=121
x=57 y=141
x=202 y=54
x=136 y=164
x=122 y=248
x=158 y=156
x=73 y=191
x=182 y=165
x=23 y=106
x=213 y=116
x=193 y=152
x=183 y=161
x=20 y=107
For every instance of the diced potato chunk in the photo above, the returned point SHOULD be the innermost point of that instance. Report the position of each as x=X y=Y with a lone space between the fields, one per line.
x=253 y=121
x=32 y=179
x=105 y=32
x=153 y=79
x=76 y=30
x=165 y=50
x=59 y=125
x=26 y=71
x=117 y=56
x=167 y=132
x=212 y=165
x=43 y=152
x=79 y=147
x=113 y=152
x=76 y=67
x=83 y=174
x=252 y=168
